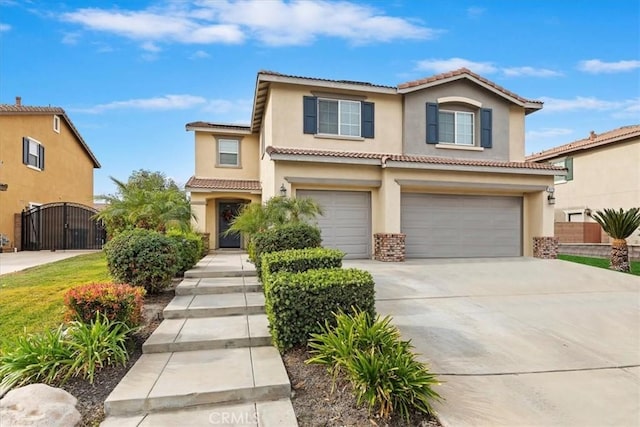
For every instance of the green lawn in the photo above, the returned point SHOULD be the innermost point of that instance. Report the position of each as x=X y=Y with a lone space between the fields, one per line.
x=32 y=300
x=598 y=262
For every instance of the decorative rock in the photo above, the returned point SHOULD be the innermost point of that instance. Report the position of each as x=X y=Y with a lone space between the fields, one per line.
x=38 y=405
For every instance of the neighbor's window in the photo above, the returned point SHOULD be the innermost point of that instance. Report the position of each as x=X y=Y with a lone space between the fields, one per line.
x=56 y=124
x=339 y=117
x=455 y=127
x=567 y=163
x=228 y=152
x=32 y=153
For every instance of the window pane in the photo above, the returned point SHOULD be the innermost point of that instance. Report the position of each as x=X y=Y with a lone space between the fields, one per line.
x=328 y=116
x=33 y=160
x=464 y=128
x=33 y=148
x=228 y=159
x=228 y=146
x=350 y=118
x=446 y=127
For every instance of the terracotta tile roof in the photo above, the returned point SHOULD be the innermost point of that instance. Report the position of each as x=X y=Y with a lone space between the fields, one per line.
x=461 y=72
x=223 y=184
x=221 y=126
x=351 y=82
x=410 y=158
x=594 y=140
x=10 y=109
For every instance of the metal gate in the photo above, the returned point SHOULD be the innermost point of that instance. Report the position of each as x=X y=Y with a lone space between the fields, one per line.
x=60 y=226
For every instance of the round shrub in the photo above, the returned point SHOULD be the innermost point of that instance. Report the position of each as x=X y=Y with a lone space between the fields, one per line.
x=188 y=248
x=142 y=258
x=117 y=302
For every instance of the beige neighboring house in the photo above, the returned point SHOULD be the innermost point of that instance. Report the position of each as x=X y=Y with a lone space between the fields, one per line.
x=426 y=169
x=43 y=159
x=603 y=172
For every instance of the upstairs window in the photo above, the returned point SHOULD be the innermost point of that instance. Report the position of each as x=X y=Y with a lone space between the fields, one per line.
x=449 y=126
x=566 y=163
x=455 y=127
x=32 y=153
x=339 y=117
x=56 y=124
x=228 y=152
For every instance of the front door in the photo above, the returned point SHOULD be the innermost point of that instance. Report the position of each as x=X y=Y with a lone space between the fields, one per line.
x=226 y=212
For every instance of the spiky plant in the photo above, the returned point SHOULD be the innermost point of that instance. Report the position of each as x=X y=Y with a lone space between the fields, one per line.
x=619 y=224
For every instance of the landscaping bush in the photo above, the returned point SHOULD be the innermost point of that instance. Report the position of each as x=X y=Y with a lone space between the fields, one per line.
x=298 y=260
x=189 y=247
x=382 y=368
x=289 y=236
x=142 y=258
x=297 y=304
x=54 y=356
x=117 y=302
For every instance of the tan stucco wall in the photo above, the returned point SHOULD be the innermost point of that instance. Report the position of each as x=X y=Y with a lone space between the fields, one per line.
x=606 y=177
x=67 y=174
x=286 y=116
x=206 y=156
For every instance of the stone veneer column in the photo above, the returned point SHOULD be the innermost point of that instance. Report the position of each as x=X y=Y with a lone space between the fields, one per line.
x=389 y=247
x=545 y=247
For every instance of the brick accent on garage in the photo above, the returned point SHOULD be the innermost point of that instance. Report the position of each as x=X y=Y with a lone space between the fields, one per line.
x=389 y=247
x=545 y=247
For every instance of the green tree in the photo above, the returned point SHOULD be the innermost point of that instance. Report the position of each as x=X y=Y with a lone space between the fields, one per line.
x=147 y=200
x=619 y=225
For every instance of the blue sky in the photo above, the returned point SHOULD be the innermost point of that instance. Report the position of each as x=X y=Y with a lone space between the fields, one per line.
x=131 y=74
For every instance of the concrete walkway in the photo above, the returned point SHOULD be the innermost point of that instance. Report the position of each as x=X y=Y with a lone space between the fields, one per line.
x=210 y=362
x=17 y=261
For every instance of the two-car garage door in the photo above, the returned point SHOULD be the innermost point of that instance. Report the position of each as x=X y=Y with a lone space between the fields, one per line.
x=455 y=226
x=346 y=223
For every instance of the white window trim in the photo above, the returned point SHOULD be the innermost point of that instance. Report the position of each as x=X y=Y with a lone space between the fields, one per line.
x=218 y=152
x=339 y=101
x=568 y=213
x=455 y=130
x=449 y=146
x=36 y=168
x=459 y=99
x=560 y=179
x=56 y=124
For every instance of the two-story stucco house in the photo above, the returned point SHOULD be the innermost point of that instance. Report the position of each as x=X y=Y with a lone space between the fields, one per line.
x=603 y=172
x=43 y=159
x=428 y=168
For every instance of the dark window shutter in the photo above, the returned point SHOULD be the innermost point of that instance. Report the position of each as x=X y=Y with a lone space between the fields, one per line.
x=432 y=123
x=310 y=112
x=367 y=119
x=41 y=157
x=486 y=127
x=568 y=163
x=25 y=151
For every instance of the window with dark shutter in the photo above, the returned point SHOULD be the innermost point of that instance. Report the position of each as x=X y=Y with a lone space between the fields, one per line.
x=32 y=153
x=310 y=112
x=486 y=127
x=368 y=113
x=432 y=123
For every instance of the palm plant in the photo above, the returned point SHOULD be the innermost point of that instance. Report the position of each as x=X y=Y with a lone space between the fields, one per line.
x=619 y=225
x=294 y=209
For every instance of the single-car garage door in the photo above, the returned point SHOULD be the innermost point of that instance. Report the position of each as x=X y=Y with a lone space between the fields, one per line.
x=346 y=223
x=454 y=226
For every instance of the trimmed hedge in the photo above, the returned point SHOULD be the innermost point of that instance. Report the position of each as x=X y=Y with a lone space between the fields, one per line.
x=288 y=236
x=188 y=248
x=117 y=302
x=142 y=257
x=298 y=304
x=298 y=260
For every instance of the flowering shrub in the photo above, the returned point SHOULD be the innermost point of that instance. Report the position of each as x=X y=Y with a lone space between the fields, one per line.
x=117 y=302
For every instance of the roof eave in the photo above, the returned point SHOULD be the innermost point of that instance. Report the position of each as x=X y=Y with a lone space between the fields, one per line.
x=472 y=168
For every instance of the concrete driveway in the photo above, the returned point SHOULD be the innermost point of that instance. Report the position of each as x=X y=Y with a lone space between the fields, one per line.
x=520 y=341
x=16 y=261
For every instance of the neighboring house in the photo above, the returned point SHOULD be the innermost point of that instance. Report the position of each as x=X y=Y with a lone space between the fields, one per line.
x=430 y=168
x=603 y=172
x=43 y=159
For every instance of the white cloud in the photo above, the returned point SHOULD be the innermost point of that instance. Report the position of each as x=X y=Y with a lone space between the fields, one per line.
x=225 y=106
x=150 y=47
x=596 y=66
x=4 y=27
x=620 y=108
x=199 y=54
x=161 y=103
x=444 y=65
x=530 y=72
x=545 y=133
x=71 y=38
x=475 y=12
x=274 y=23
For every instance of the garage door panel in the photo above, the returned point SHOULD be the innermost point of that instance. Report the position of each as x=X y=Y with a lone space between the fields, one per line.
x=438 y=226
x=346 y=223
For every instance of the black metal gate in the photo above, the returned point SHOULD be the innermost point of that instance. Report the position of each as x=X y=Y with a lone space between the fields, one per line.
x=60 y=226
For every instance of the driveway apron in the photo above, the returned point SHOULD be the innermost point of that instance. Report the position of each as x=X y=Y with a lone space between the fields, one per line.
x=520 y=341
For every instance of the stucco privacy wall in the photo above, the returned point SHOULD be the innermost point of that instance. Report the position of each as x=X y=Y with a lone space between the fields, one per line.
x=286 y=113
x=207 y=156
x=386 y=191
x=415 y=121
x=67 y=175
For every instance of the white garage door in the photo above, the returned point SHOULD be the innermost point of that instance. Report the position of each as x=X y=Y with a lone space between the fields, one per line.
x=452 y=226
x=346 y=223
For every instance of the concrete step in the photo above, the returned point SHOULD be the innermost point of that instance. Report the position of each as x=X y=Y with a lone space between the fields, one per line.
x=218 y=285
x=209 y=333
x=181 y=380
x=198 y=306
x=278 y=413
